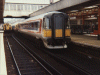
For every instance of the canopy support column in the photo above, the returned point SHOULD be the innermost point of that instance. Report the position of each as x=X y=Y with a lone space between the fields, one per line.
x=99 y=23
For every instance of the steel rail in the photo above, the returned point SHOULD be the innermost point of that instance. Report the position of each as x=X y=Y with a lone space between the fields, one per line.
x=68 y=62
x=58 y=73
x=13 y=56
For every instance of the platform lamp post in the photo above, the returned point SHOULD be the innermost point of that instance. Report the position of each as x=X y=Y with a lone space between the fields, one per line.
x=82 y=19
x=99 y=22
x=82 y=22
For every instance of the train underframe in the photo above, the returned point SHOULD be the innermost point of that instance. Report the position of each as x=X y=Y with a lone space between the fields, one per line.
x=48 y=43
x=56 y=43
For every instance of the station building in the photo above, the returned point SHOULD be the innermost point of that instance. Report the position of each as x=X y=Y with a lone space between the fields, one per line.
x=21 y=9
x=88 y=17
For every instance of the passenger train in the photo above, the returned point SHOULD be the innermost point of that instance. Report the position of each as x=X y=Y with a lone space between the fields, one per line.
x=7 y=27
x=51 y=28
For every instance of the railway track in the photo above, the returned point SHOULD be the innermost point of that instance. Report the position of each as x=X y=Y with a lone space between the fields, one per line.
x=11 y=68
x=25 y=62
x=52 y=68
x=61 y=62
x=85 y=64
x=89 y=51
x=66 y=63
x=79 y=68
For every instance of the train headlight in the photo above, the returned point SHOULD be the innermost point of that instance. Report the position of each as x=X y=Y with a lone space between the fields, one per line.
x=67 y=27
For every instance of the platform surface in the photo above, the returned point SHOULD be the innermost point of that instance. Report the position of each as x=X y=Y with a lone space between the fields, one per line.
x=3 y=70
x=86 y=39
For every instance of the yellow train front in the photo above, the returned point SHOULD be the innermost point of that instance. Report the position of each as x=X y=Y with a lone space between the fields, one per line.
x=56 y=31
x=7 y=27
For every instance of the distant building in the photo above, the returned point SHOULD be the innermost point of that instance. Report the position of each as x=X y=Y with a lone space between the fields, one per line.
x=21 y=9
x=56 y=1
x=53 y=1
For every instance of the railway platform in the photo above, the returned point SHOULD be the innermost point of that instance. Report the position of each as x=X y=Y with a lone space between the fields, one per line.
x=3 y=70
x=86 y=40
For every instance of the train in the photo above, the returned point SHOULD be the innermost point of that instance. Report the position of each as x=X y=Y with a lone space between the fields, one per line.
x=52 y=28
x=7 y=27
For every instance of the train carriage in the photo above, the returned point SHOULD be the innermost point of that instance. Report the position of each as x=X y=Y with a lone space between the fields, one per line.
x=52 y=28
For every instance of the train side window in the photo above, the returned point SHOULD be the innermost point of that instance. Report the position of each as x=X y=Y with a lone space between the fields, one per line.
x=32 y=25
x=35 y=26
x=38 y=24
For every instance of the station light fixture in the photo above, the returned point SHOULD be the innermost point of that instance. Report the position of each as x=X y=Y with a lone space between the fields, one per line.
x=90 y=7
x=72 y=18
x=74 y=11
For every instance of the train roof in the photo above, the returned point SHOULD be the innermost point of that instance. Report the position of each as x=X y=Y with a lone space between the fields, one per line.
x=38 y=17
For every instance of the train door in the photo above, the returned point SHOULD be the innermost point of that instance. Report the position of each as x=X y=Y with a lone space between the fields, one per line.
x=58 y=26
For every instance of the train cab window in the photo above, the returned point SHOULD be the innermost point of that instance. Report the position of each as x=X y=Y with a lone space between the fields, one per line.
x=46 y=23
x=67 y=23
x=58 y=20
